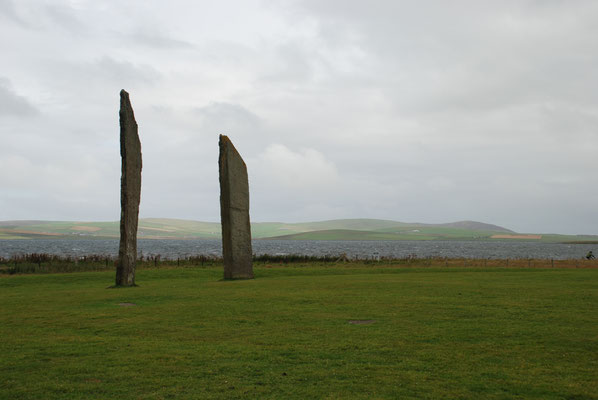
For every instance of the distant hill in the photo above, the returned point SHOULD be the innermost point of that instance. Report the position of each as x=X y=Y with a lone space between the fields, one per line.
x=349 y=234
x=369 y=229
x=476 y=226
x=340 y=229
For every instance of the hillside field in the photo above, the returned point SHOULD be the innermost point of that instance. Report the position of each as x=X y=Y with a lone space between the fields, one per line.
x=304 y=331
x=346 y=229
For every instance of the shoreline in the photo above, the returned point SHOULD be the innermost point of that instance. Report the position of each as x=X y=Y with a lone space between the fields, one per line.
x=35 y=263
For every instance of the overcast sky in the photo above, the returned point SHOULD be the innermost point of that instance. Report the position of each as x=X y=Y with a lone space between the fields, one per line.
x=416 y=111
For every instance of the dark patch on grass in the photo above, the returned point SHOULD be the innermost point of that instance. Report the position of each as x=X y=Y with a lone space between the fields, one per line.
x=127 y=304
x=362 y=321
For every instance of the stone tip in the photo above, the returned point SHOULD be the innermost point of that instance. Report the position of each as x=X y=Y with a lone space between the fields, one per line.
x=124 y=99
x=125 y=104
x=224 y=141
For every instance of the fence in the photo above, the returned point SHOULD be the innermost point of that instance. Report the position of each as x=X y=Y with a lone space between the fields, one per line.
x=49 y=263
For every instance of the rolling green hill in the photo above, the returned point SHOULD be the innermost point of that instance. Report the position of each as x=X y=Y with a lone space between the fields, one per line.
x=342 y=229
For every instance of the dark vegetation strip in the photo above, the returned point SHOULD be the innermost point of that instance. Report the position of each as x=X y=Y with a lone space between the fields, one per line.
x=35 y=263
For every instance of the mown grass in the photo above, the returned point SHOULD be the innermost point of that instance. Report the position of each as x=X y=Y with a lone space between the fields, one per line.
x=438 y=333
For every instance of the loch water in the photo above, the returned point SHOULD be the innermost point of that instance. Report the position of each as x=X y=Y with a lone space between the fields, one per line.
x=361 y=249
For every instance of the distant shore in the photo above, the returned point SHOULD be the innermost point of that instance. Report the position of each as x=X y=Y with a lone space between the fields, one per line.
x=345 y=229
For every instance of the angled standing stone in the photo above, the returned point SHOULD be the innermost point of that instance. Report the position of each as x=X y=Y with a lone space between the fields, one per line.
x=234 y=213
x=130 y=193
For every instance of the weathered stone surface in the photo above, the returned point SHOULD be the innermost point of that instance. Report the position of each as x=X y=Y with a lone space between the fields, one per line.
x=234 y=213
x=130 y=193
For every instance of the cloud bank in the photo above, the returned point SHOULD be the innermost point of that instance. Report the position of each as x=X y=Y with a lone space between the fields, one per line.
x=427 y=112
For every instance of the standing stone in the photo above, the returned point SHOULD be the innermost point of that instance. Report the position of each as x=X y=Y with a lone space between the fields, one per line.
x=234 y=213
x=130 y=193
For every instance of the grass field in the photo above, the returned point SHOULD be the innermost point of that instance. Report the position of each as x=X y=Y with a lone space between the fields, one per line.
x=432 y=333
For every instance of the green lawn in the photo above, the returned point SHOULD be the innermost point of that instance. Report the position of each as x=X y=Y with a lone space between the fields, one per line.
x=452 y=333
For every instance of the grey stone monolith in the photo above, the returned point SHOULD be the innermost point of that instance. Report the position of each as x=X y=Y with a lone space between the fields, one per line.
x=130 y=193
x=234 y=213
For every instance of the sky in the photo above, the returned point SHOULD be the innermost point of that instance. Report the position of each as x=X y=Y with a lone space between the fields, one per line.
x=415 y=111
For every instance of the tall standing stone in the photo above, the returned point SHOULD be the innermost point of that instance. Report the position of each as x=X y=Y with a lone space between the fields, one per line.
x=130 y=193
x=234 y=213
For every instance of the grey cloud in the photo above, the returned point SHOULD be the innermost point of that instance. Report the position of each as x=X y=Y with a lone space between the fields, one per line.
x=421 y=111
x=290 y=63
x=245 y=128
x=101 y=77
x=8 y=11
x=227 y=118
x=42 y=17
x=468 y=54
x=13 y=104
x=158 y=41
x=64 y=17
x=123 y=71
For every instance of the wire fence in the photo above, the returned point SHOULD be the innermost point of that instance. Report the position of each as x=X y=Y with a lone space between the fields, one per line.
x=39 y=263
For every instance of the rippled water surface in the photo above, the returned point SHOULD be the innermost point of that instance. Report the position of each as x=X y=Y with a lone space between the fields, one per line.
x=362 y=249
